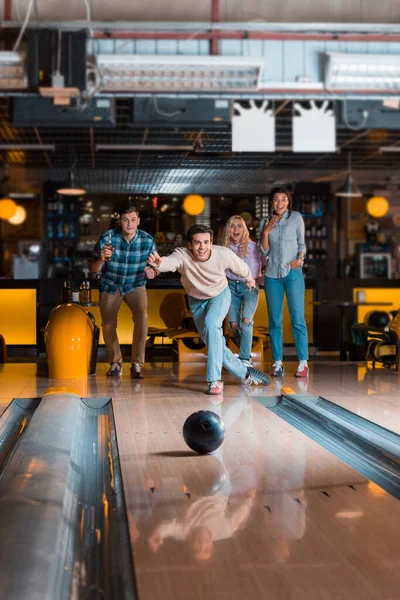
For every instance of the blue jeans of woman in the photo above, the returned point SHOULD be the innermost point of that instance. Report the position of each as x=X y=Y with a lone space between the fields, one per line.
x=294 y=287
x=241 y=311
x=208 y=316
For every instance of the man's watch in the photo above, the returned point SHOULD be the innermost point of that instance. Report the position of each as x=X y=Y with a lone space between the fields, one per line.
x=301 y=258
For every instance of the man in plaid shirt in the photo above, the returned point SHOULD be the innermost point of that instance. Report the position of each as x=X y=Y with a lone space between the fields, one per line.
x=121 y=255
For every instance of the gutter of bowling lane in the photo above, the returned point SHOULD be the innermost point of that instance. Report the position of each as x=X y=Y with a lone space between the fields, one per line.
x=368 y=448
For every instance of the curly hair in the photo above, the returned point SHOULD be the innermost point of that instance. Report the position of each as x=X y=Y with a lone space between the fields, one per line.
x=244 y=242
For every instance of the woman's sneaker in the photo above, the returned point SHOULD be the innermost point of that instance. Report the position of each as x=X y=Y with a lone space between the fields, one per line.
x=302 y=371
x=136 y=371
x=255 y=377
x=215 y=388
x=115 y=370
x=277 y=370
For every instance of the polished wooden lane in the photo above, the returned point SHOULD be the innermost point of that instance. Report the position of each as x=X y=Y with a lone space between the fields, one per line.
x=270 y=515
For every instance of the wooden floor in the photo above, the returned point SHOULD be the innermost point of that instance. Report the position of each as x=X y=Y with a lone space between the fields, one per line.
x=269 y=515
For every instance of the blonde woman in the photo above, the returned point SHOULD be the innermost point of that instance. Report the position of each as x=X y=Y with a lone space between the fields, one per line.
x=243 y=301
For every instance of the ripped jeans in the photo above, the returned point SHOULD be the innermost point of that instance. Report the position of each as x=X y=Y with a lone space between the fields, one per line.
x=243 y=306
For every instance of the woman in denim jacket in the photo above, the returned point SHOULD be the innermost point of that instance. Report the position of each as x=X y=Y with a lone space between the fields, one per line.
x=243 y=301
x=282 y=240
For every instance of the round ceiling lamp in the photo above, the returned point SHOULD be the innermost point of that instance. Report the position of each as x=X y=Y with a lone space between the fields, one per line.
x=8 y=208
x=71 y=189
x=193 y=205
x=19 y=217
x=377 y=207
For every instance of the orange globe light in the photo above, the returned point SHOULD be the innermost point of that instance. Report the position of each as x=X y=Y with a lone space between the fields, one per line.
x=377 y=206
x=19 y=216
x=8 y=208
x=193 y=205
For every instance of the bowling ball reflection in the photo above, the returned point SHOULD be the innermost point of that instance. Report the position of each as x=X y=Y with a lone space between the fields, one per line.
x=206 y=479
x=203 y=431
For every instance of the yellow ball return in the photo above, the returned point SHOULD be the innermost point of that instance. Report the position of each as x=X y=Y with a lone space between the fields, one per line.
x=71 y=338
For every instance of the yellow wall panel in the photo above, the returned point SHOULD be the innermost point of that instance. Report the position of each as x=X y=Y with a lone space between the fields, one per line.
x=391 y=295
x=156 y=296
x=18 y=316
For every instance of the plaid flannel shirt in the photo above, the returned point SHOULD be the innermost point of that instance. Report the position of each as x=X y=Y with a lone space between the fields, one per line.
x=125 y=271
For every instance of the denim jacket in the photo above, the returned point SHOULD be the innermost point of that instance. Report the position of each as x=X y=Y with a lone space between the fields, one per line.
x=285 y=241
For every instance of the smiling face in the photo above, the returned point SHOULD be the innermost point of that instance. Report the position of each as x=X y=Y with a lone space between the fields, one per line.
x=280 y=202
x=200 y=246
x=236 y=231
x=129 y=224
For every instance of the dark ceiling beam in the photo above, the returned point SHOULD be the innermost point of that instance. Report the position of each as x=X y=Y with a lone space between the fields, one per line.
x=92 y=150
x=144 y=138
x=40 y=141
x=196 y=139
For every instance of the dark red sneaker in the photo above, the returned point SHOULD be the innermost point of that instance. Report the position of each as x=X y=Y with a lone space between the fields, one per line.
x=136 y=371
x=215 y=388
x=302 y=372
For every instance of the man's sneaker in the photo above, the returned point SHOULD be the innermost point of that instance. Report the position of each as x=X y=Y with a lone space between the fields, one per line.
x=277 y=370
x=302 y=371
x=255 y=377
x=136 y=371
x=215 y=388
x=115 y=370
x=248 y=362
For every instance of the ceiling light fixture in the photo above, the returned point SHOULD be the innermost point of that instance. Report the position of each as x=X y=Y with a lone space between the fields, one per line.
x=12 y=71
x=137 y=72
x=362 y=71
x=71 y=189
x=349 y=189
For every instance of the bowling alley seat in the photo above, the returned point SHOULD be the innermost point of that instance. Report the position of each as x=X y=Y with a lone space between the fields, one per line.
x=3 y=350
x=378 y=340
x=260 y=350
x=186 y=342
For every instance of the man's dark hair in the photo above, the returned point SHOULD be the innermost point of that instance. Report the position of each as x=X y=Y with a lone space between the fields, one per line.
x=280 y=190
x=199 y=229
x=126 y=210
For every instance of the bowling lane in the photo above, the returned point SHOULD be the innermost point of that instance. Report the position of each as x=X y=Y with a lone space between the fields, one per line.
x=270 y=515
x=370 y=393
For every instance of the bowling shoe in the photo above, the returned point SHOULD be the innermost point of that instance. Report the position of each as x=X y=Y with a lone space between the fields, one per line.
x=302 y=371
x=115 y=370
x=136 y=371
x=215 y=388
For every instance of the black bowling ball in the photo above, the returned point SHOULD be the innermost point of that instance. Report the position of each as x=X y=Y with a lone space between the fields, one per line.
x=378 y=318
x=204 y=431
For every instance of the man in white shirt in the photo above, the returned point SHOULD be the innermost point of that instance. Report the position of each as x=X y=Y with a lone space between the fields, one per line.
x=203 y=269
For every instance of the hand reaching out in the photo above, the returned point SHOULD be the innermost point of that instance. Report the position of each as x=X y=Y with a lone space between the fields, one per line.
x=154 y=259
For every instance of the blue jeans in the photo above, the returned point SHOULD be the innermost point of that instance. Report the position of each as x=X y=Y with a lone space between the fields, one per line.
x=294 y=286
x=243 y=306
x=208 y=316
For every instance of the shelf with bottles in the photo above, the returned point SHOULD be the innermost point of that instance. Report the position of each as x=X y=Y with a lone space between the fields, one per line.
x=312 y=205
x=81 y=293
x=58 y=207
x=61 y=230
x=60 y=250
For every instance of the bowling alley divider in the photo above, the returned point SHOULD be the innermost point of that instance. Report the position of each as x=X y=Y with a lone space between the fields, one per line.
x=370 y=449
x=62 y=485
